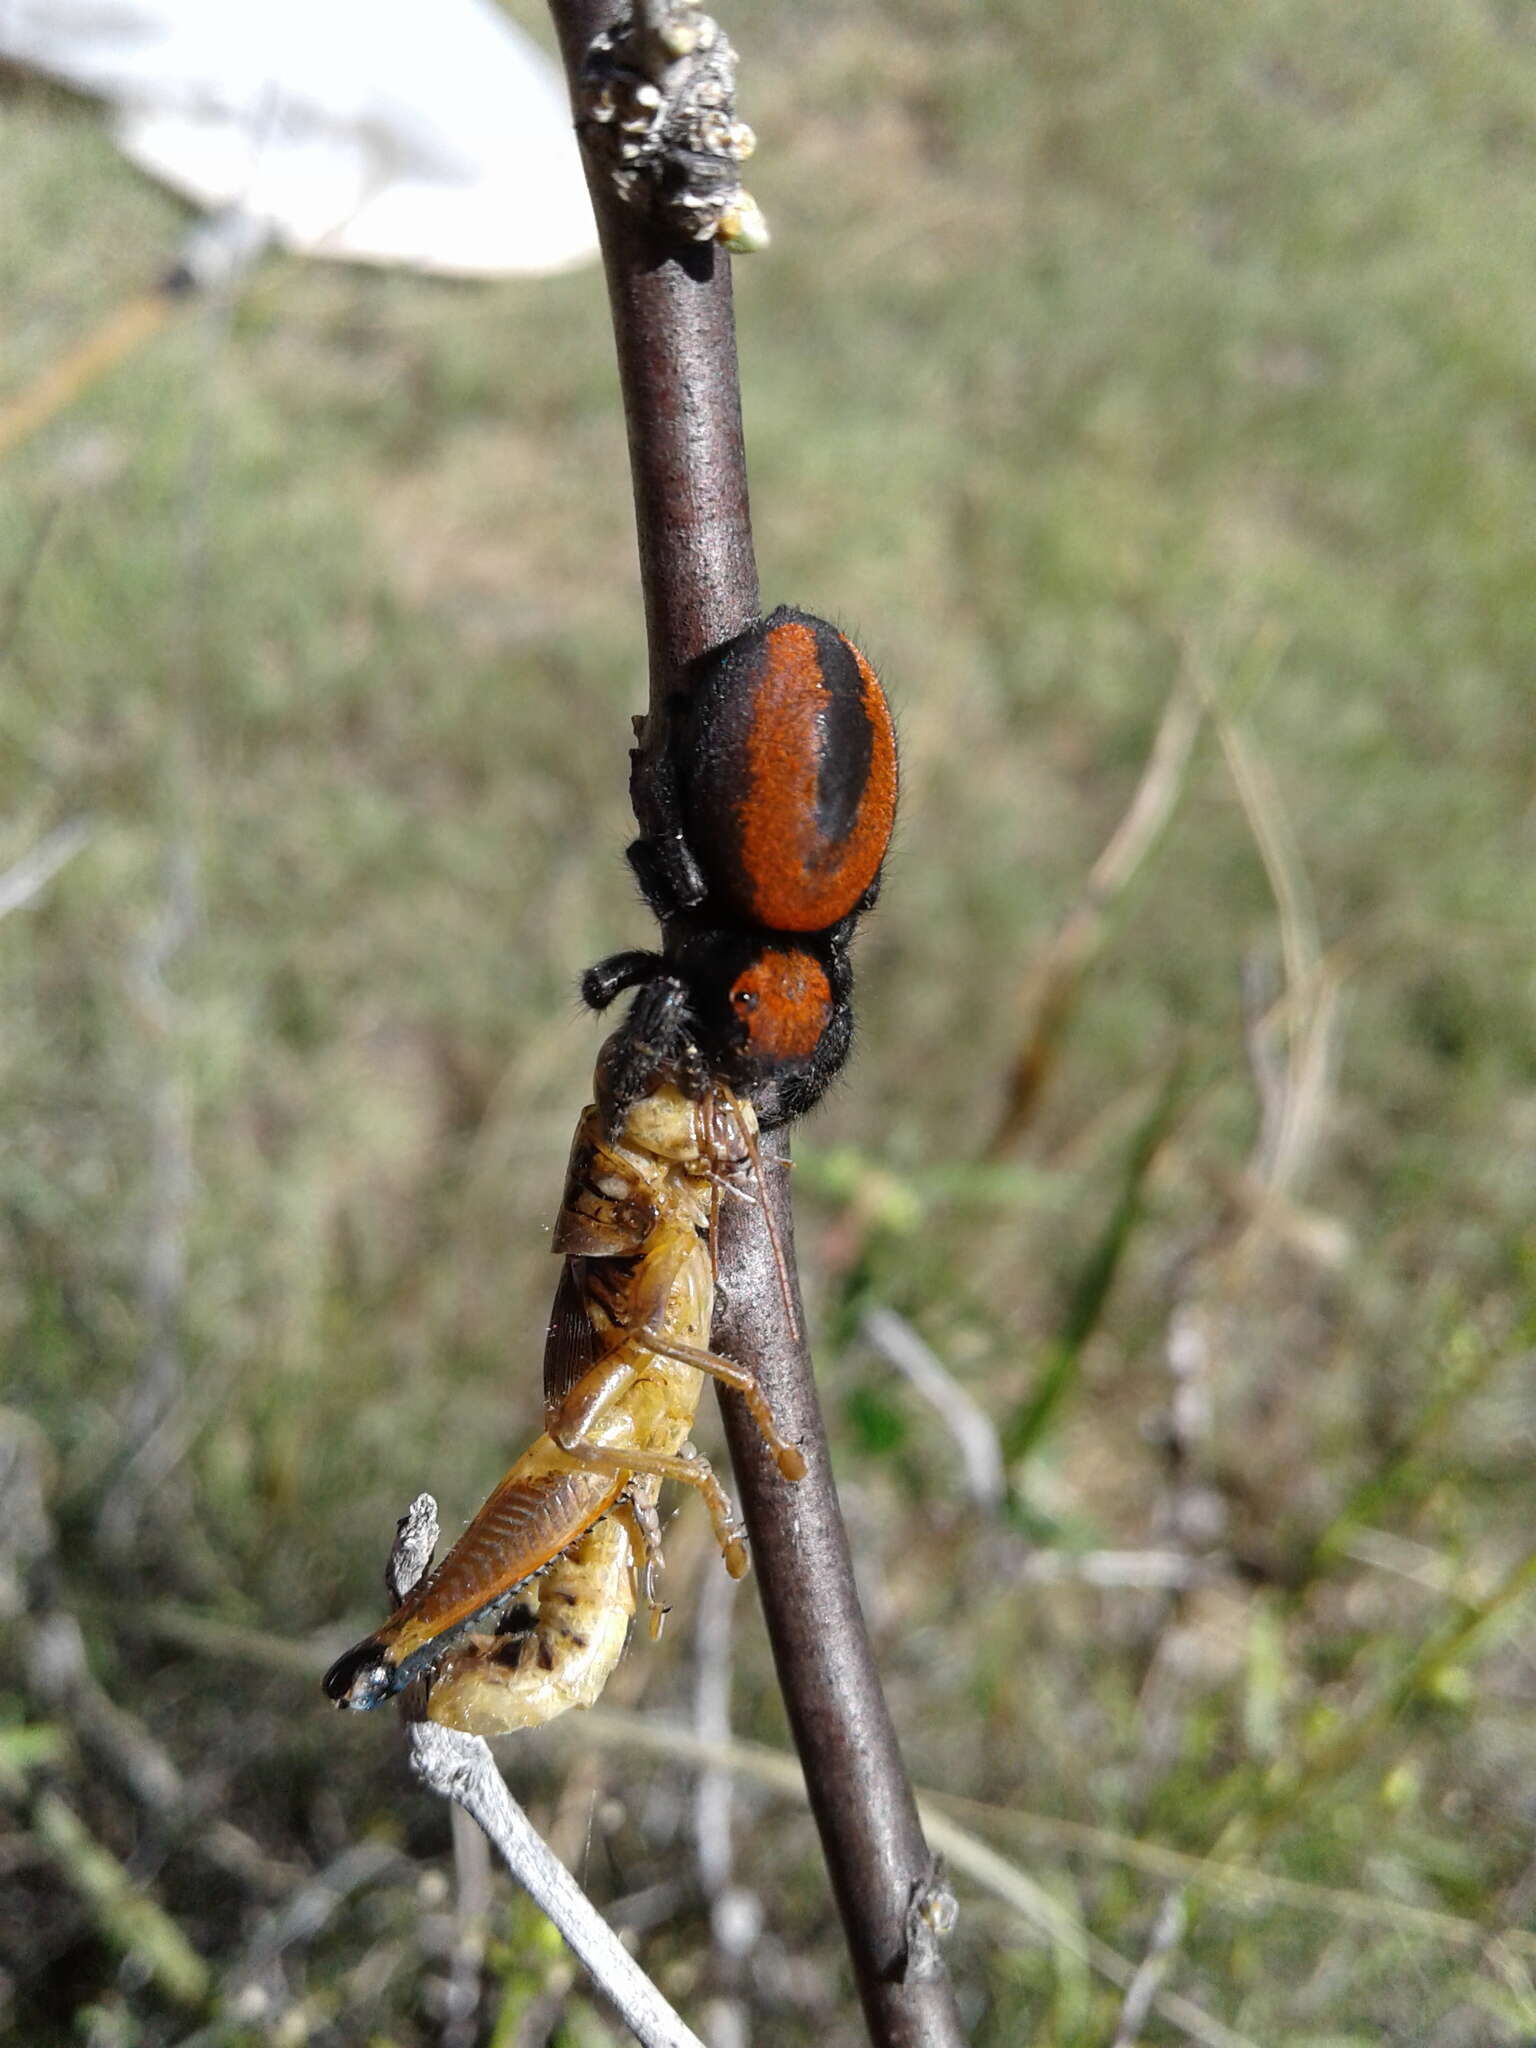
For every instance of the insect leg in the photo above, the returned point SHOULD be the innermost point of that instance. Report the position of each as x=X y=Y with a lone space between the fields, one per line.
x=638 y=1513
x=741 y=1380
x=571 y=1423
x=689 y=1467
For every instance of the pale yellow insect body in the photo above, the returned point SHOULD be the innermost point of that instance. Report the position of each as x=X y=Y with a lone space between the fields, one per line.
x=624 y=1364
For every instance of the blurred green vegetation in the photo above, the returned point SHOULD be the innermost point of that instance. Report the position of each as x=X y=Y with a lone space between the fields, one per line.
x=1101 y=353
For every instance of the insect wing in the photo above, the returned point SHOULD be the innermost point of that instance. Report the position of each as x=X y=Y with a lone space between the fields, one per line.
x=606 y=1210
x=571 y=1347
x=538 y=1510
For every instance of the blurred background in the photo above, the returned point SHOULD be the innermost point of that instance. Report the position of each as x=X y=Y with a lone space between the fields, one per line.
x=1149 y=390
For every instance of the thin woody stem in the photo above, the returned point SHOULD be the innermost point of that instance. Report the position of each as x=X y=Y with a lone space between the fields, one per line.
x=461 y=1768
x=894 y=1903
x=675 y=336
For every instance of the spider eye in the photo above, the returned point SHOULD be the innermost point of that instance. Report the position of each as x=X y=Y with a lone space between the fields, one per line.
x=744 y=1001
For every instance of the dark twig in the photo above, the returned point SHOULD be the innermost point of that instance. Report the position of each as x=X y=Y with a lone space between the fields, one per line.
x=881 y=1867
x=673 y=326
x=676 y=339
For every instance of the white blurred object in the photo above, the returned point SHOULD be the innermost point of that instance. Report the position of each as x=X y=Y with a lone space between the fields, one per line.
x=429 y=133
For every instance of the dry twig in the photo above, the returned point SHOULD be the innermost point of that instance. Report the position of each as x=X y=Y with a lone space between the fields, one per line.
x=1051 y=990
x=1242 y=1883
x=967 y=1421
x=970 y=1857
x=26 y=879
x=461 y=1768
x=735 y=1912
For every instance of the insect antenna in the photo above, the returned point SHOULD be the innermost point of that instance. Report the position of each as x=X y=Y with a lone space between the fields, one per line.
x=781 y=1267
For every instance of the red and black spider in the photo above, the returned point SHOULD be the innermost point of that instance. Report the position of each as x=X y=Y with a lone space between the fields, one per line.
x=769 y=793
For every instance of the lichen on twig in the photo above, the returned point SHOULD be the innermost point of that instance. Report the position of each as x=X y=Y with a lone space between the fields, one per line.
x=656 y=103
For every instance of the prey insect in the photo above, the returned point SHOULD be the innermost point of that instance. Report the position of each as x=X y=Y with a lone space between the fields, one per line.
x=560 y=1654
x=545 y=1568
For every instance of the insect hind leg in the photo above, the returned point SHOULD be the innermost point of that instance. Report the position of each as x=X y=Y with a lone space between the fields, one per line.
x=741 y=1380
x=685 y=1465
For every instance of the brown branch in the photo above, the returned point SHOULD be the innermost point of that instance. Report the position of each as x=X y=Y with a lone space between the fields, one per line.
x=882 y=1870
x=675 y=335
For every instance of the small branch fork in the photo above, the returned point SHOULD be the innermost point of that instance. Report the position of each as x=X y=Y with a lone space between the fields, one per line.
x=670 y=297
x=461 y=1768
